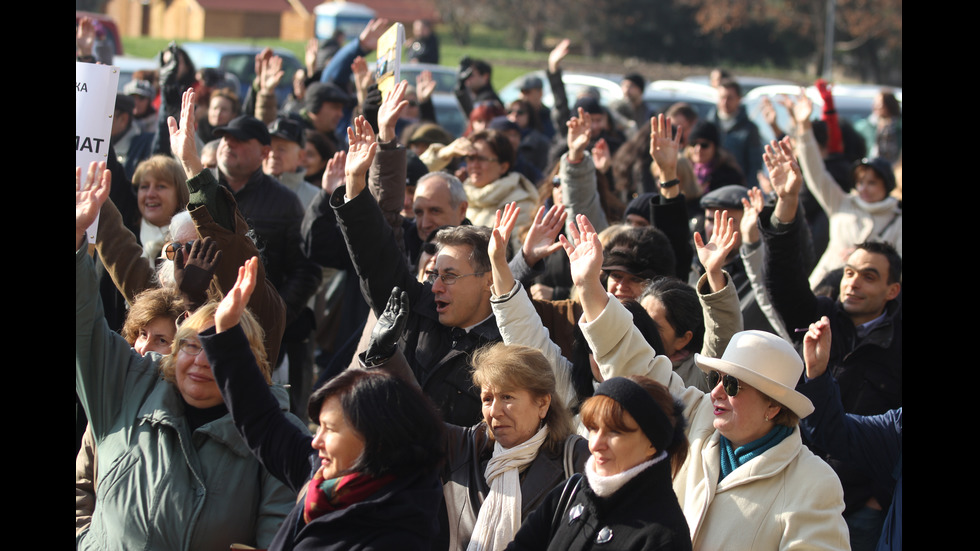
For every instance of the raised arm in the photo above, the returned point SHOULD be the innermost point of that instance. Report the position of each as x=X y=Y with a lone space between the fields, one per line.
x=753 y=254
x=517 y=320
x=282 y=447
x=714 y=254
x=822 y=185
x=560 y=113
x=579 y=188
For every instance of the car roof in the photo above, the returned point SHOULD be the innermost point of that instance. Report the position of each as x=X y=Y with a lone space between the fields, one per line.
x=606 y=83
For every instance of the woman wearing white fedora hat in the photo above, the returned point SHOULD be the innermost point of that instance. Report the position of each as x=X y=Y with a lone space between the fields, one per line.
x=748 y=482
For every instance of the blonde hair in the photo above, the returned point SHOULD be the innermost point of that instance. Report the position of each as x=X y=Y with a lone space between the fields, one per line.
x=514 y=367
x=203 y=318
x=167 y=169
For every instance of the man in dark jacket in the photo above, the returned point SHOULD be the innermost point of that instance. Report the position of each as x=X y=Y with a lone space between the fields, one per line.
x=450 y=314
x=740 y=136
x=275 y=213
x=866 y=321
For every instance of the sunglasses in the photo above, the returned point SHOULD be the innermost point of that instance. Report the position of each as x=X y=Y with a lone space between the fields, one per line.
x=173 y=247
x=729 y=383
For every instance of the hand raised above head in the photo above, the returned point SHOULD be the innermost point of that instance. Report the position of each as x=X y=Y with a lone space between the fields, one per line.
x=90 y=195
x=229 y=312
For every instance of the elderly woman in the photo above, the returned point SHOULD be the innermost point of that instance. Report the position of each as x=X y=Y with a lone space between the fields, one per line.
x=636 y=436
x=173 y=472
x=369 y=474
x=161 y=192
x=751 y=484
x=499 y=470
x=491 y=183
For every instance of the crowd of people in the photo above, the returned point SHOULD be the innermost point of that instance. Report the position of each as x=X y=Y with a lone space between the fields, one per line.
x=329 y=323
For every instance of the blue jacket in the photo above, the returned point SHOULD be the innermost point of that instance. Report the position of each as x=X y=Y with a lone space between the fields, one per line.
x=161 y=486
x=873 y=442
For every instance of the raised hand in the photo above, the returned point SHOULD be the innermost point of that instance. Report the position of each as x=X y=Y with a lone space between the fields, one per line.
x=714 y=254
x=425 y=85
x=363 y=79
x=371 y=33
x=309 y=55
x=579 y=134
x=390 y=111
x=333 y=176
x=664 y=147
x=784 y=171
x=183 y=138
x=816 y=348
x=271 y=74
x=558 y=54
x=802 y=109
x=751 y=207
x=601 y=156
x=89 y=197
x=85 y=36
x=390 y=326
x=194 y=266
x=542 y=292
x=585 y=258
x=584 y=252
x=360 y=154
x=540 y=240
x=229 y=312
x=503 y=226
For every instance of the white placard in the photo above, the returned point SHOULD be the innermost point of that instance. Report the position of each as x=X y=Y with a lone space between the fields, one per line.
x=95 y=101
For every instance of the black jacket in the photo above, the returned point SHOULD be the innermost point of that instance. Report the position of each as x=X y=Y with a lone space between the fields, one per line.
x=438 y=355
x=275 y=213
x=401 y=515
x=643 y=515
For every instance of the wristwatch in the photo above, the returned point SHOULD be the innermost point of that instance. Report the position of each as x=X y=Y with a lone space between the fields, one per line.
x=671 y=183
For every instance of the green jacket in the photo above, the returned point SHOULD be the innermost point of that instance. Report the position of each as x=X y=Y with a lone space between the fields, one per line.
x=161 y=486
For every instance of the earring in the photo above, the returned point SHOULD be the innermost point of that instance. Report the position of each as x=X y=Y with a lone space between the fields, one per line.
x=767 y=418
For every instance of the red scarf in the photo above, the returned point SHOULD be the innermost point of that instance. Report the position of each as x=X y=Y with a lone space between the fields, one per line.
x=324 y=496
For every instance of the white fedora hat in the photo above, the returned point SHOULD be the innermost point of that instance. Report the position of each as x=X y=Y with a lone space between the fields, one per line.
x=765 y=362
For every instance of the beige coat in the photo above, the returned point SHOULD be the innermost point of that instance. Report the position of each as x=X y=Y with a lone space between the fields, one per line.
x=484 y=201
x=787 y=498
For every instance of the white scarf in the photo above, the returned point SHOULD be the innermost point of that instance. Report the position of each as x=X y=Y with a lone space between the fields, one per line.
x=153 y=238
x=500 y=514
x=605 y=486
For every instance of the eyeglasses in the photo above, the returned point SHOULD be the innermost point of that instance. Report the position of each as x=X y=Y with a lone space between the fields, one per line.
x=480 y=159
x=447 y=279
x=729 y=383
x=191 y=348
x=175 y=246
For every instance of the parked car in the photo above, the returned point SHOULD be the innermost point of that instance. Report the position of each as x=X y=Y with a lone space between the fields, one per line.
x=852 y=102
x=239 y=59
x=129 y=65
x=746 y=82
x=607 y=84
x=661 y=94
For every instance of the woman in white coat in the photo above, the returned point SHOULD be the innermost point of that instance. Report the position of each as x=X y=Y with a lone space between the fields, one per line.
x=748 y=483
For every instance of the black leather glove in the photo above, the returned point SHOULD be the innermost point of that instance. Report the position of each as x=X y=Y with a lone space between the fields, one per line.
x=390 y=326
x=194 y=266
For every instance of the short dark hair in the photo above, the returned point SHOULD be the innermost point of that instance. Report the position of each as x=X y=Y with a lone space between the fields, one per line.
x=401 y=430
x=890 y=253
x=732 y=85
x=475 y=237
x=683 y=109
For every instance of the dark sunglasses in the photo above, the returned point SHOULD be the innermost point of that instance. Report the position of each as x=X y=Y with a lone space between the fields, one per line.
x=729 y=383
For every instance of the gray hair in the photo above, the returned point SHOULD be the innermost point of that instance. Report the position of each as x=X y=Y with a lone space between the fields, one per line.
x=178 y=224
x=456 y=192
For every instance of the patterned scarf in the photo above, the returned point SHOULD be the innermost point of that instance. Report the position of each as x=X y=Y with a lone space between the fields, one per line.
x=324 y=496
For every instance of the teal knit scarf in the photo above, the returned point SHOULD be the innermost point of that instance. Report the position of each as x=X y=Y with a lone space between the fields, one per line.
x=732 y=458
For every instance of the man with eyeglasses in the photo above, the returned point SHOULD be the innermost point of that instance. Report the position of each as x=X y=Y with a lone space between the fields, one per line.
x=450 y=314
